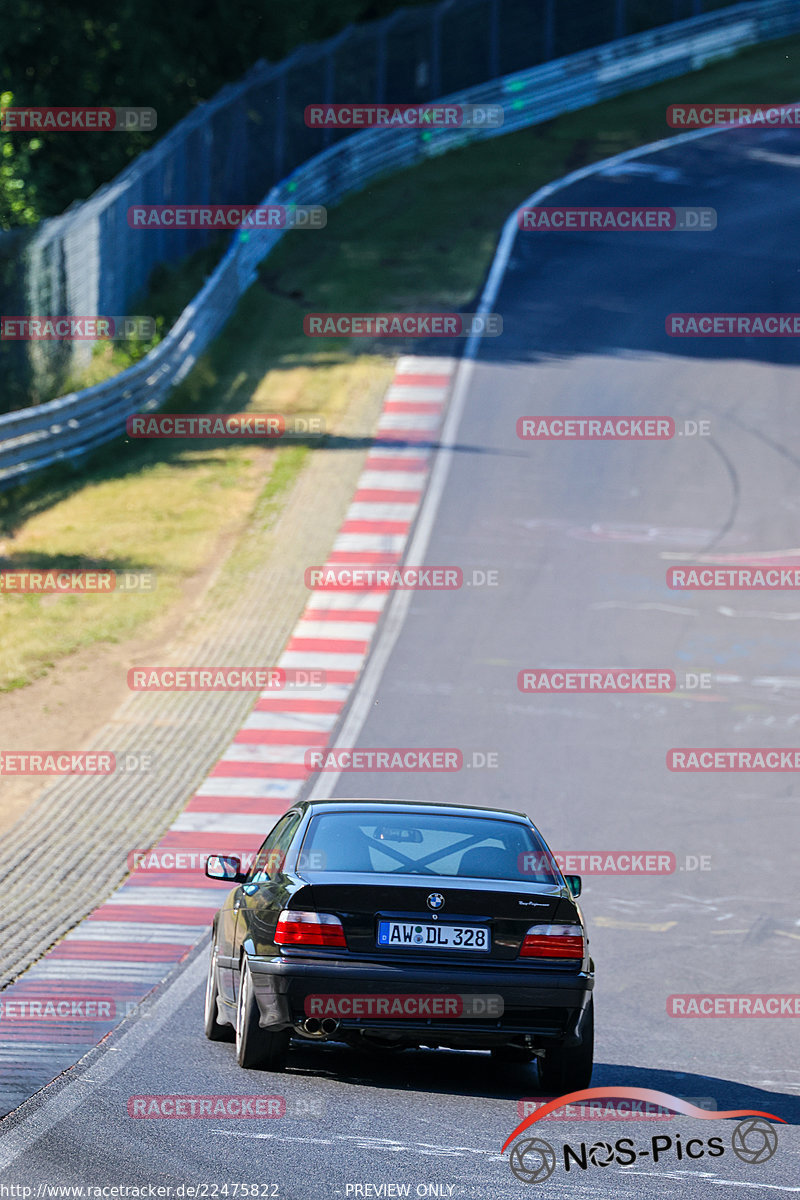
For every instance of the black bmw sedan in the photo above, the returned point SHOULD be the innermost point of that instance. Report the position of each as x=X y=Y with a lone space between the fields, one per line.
x=393 y=923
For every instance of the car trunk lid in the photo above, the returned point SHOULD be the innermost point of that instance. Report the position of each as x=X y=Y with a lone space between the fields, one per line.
x=408 y=918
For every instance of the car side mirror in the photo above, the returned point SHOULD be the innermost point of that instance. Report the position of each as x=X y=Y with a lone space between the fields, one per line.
x=574 y=884
x=225 y=866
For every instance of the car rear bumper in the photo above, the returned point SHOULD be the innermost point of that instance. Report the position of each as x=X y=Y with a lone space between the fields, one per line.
x=548 y=1005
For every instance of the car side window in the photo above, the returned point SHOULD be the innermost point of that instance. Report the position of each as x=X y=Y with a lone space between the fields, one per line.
x=272 y=855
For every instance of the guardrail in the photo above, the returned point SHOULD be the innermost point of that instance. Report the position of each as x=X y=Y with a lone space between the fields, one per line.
x=234 y=147
x=67 y=428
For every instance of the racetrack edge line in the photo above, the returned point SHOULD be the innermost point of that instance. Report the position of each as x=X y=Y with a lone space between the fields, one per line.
x=47 y=1114
x=53 y=1109
x=391 y=627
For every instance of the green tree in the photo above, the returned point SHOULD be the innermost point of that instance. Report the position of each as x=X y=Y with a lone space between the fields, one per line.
x=140 y=53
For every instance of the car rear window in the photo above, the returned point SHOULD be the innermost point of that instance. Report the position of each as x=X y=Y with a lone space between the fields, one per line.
x=427 y=844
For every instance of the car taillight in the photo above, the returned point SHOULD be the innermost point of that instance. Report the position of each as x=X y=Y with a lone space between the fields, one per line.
x=553 y=941
x=309 y=929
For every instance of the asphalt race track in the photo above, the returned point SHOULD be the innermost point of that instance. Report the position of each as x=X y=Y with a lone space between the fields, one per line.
x=581 y=535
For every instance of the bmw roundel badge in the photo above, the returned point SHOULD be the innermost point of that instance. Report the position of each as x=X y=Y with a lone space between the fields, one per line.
x=436 y=901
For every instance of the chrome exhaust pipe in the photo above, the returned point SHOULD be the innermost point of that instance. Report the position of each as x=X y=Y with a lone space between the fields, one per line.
x=312 y=1027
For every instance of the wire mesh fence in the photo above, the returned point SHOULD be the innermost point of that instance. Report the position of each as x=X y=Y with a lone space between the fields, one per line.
x=252 y=142
x=237 y=146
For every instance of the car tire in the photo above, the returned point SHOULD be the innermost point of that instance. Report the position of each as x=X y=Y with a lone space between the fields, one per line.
x=569 y=1068
x=256 y=1048
x=214 y=1030
x=511 y=1055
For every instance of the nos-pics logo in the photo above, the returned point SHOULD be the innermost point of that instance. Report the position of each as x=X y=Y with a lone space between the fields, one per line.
x=532 y=1159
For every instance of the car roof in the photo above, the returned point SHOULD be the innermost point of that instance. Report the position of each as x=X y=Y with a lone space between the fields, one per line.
x=365 y=803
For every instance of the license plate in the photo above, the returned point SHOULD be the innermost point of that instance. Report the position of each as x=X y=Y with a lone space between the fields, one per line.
x=409 y=935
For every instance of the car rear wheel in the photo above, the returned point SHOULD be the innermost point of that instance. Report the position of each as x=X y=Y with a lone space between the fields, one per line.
x=256 y=1047
x=569 y=1068
x=215 y=1032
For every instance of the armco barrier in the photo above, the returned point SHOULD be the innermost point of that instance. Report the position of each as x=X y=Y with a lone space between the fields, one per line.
x=65 y=429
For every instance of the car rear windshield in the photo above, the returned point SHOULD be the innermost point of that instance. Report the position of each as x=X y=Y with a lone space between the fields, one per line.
x=427 y=844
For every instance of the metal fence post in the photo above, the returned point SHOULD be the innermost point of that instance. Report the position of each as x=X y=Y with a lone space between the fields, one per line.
x=549 y=30
x=494 y=38
x=380 y=66
x=436 y=53
x=330 y=86
x=280 y=126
